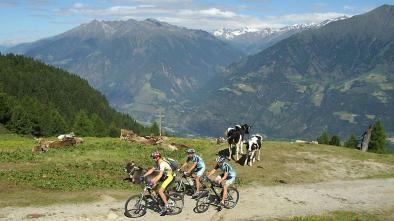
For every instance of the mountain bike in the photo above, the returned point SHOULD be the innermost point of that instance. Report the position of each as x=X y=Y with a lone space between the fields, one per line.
x=136 y=206
x=185 y=184
x=211 y=196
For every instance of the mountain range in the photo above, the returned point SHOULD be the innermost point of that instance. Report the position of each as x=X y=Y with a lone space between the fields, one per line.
x=294 y=83
x=339 y=78
x=140 y=66
x=253 y=40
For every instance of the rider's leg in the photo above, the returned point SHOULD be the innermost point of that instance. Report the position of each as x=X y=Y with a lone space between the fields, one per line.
x=162 y=195
x=197 y=184
x=226 y=184
x=198 y=176
x=224 y=193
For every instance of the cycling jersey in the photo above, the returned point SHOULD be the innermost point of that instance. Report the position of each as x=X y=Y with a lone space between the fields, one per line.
x=197 y=159
x=164 y=166
x=167 y=175
x=227 y=169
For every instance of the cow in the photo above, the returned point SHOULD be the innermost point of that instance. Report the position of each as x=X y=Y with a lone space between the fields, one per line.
x=78 y=140
x=66 y=142
x=253 y=145
x=63 y=136
x=39 y=149
x=235 y=136
x=135 y=172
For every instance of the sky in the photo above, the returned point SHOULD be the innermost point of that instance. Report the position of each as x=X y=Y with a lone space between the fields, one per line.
x=30 y=20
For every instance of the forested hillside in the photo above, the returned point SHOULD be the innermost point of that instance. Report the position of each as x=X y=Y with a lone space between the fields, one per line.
x=42 y=100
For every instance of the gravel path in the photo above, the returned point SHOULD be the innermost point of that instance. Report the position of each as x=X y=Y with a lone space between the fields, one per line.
x=256 y=202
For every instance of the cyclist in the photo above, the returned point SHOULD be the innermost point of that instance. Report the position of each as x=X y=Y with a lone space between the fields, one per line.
x=197 y=169
x=226 y=178
x=165 y=175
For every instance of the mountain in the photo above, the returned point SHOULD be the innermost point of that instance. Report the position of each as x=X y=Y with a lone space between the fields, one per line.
x=339 y=77
x=140 y=66
x=42 y=100
x=252 y=40
x=3 y=48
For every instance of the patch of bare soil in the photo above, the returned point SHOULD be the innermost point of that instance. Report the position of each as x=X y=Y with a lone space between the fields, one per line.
x=256 y=202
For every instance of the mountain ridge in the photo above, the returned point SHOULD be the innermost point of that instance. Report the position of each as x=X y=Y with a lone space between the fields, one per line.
x=337 y=78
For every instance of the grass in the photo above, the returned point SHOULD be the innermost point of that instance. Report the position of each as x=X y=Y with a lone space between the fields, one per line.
x=346 y=216
x=80 y=173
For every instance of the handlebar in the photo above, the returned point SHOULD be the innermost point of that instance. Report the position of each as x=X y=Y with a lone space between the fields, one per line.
x=212 y=182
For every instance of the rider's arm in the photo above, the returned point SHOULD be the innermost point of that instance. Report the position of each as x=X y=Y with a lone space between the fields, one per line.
x=212 y=172
x=192 y=167
x=157 y=178
x=184 y=164
x=149 y=171
x=224 y=177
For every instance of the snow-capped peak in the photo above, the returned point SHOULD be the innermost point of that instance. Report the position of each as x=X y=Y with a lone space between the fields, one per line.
x=228 y=34
x=231 y=33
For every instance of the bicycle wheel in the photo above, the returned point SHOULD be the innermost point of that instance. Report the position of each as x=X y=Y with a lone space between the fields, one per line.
x=135 y=207
x=232 y=198
x=176 y=203
x=203 y=202
x=179 y=187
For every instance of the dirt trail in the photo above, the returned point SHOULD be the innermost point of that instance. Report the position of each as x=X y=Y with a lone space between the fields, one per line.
x=255 y=203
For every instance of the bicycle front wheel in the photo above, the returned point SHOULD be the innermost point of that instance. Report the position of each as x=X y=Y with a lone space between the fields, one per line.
x=232 y=198
x=135 y=207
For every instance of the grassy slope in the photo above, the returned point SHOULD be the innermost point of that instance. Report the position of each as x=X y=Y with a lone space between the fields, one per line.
x=94 y=168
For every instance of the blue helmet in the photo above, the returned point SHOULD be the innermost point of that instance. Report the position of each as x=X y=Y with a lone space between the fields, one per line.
x=220 y=159
x=190 y=151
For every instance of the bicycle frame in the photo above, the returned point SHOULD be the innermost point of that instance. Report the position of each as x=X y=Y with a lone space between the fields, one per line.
x=213 y=189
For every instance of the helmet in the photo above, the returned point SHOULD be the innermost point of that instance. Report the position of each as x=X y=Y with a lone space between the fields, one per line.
x=220 y=159
x=190 y=151
x=155 y=155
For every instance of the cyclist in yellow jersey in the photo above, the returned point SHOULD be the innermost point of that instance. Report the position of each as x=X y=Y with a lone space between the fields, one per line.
x=165 y=173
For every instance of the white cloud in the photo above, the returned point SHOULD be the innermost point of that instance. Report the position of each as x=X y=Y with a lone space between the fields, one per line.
x=306 y=17
x=211 y=12
x=207 y=18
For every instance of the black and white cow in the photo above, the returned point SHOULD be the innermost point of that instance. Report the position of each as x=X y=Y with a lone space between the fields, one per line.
x=253 y=148
x=235 y=136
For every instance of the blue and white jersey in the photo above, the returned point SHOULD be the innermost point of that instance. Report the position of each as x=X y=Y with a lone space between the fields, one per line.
x=227 y=169
x=197 y=159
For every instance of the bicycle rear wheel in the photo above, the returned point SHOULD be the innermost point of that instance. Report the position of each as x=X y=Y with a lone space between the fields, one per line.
x=203 y=202
x=135 y=207
x=232 y=198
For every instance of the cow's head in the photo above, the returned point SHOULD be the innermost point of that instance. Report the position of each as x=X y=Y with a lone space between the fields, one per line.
x=130 y=168
x=246 y=128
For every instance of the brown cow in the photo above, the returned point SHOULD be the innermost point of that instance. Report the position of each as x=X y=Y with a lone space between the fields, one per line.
x=78 y=140
x=63 y=143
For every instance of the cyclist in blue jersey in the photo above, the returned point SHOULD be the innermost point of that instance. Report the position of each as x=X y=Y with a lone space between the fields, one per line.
x=226 y=178
x=197 y=169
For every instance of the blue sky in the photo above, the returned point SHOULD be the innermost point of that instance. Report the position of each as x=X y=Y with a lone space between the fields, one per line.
x=29 y=20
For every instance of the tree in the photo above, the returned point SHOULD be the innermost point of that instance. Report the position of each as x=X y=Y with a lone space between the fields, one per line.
x=5 y=110
x=378 y=141
x=113 y=130
x=83 y=126
x=154 y=129
x=324 y=138
x=99 y=127
x=20 y=121
x=335 y=140
x=351 y=142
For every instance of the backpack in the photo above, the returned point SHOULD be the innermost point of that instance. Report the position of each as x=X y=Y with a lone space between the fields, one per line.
x=173 y=163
